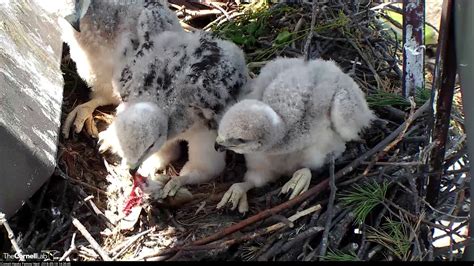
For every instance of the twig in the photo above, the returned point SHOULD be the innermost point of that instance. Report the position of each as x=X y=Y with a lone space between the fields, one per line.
x=369 y=64
x=399 y=138
x=354 y=65
x=88 y=253
x=315 y=34
x=301 y=237
x=193 y=14
x=357 y=178
x=269 y=243
x=271 y=252
x=408 y=122
x=200 y=244
x=373 y=251
x=306 y=51
x=225 y=244
x=394 y=163
x=429 y=205
x=188 y=27
x=222 y=21
x=71 y=249
x=221 y=10
x=90 y=239
x=453 y=158
x=124 y=246
x=463 y=224
x=283 y=219
x=173 y=221
x=458 y=171
x=381 y=6
x=61 y=173
x=446 y=250
x=212 y=23
x=297 y=28
x=332 y=185
x=295 y=217
x=53 y=227
x=414 y=217
x=94 y=207
x=382 y=145
x=11 y=236
x=98 y=212
x=252 y=65
x=258 y=217
x=87 y=199
x=430 y=245
x=339 y=228
x=364 y=244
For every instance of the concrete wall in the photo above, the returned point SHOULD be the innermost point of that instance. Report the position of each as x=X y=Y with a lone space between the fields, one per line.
x=31 y=87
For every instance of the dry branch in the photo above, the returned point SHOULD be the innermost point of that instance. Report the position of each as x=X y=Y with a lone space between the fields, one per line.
x=11 y=236
x=91 y=240
x=71 y=249
x=330 y=211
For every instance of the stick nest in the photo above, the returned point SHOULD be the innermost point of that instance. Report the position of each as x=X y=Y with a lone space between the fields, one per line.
x=379 y=212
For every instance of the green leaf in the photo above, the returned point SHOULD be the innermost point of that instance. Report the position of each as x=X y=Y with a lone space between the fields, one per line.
x=238 y=39
x=250 y=41
x=283 y=37
x=252 y=28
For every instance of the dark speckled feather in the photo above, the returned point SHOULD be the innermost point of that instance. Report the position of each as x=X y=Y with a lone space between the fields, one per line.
x=176 y=70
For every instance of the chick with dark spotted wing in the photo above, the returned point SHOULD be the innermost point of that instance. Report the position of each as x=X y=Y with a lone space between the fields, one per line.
x=101 y=34
x=169 y=77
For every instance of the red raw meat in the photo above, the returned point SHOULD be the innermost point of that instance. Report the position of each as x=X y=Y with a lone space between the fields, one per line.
x=136 y=195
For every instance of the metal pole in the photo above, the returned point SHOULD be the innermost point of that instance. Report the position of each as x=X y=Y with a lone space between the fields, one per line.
x=444 y=78
x=413 y=46
x=464 y=34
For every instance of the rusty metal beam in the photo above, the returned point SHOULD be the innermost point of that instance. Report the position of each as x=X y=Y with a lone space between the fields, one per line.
x=413 y=46
x=444 y=78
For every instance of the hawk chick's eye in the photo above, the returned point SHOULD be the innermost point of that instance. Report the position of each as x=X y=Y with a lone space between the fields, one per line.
x=240 y=140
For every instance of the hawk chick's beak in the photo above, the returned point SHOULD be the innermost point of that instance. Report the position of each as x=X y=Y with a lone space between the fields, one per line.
x=217 y=145
x=80 y=9
x=74 y=21
x=133 y=171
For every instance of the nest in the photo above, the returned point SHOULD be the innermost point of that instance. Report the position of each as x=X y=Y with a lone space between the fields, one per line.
x=379 y=211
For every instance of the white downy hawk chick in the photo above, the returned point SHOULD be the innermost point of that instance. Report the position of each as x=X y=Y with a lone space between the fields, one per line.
x=101 y=34
x=301 y=112
x=173 y=84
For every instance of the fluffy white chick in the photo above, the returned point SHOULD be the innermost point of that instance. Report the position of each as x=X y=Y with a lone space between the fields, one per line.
x=170 y=87
x=101 y=34
x=300 y=113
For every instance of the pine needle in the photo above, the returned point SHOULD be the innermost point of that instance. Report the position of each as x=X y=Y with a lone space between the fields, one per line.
x=394 y=236
x=364 y=198
x=382 y=98
x=338 y=255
